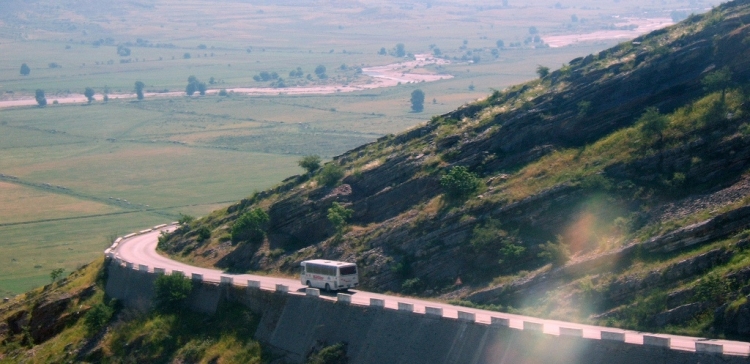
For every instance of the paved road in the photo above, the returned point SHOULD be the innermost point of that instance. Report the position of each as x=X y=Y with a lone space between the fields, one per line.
x=141 y=250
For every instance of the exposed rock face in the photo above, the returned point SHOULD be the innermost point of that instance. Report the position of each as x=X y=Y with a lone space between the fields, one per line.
x=47 y=318
x=734 y=320
x=679 y=314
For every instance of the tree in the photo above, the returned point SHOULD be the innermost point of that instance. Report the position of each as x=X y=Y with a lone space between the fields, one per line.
x=89 y=93
x=533 y=30
x=139 y=89
x=338 y=215
x=653 y=123
x=542 y=71
x=382 y=51
x=251 y=226
x=40 y=99
x=171 y=291
x=320 y=71
x=56 y=274
x=195 y=85
x=123 y=51
x=311 y=163
x=718 y=80
x=459 y=183
x=417 y=100
x=400 y=50
x=500 y=43
x=25 y=70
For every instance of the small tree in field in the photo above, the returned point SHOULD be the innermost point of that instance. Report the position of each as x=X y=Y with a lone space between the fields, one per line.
x=40 y=99
x=25 y=70
x=56 y=274
x=89 y=93
x=311 y=163
x=417 y=100
x=139 y=89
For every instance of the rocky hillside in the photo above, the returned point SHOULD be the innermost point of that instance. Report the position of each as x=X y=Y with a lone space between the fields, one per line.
x=612 y=191
x=73 y=321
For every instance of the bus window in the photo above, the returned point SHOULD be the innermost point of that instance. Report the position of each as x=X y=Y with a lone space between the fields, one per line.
x=302 y=269
x=345 y=271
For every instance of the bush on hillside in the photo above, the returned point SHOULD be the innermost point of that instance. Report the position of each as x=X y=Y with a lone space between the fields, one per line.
x=330 y=175
x=171 y=291
x=459 y=183
x=334 y=354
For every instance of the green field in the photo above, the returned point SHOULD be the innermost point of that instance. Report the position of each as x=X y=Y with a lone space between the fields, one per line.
x=75 y=175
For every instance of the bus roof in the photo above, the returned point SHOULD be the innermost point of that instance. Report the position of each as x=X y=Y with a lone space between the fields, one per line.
x=328 y=262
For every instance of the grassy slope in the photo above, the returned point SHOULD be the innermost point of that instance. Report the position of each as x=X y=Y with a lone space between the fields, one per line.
x=129 y=336
x=602 y=210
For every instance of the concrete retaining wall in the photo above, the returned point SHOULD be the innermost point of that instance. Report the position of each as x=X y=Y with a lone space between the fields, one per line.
x=293 y=323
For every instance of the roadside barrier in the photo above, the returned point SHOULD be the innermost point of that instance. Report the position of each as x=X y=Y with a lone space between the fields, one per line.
x=408 y=307
x=648 y=339
x=433 y=311
x=376 y=302
x=533 y=326
x=344 y=298
x=656 y=341
x=613 y=336
x=499 y=321
x=312 y=292
x=566 y=331
x=709 y=348
x=466 y=316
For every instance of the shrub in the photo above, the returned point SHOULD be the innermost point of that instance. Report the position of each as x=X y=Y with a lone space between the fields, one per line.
x=185 y=219
x=223 y=92
x=97 y=317
x=557 y=254
x=203 y=234
x=170 y=292
x=330 y=175
x=251 y=226
x=412 y=285
x=459 y=182
x=338 y=216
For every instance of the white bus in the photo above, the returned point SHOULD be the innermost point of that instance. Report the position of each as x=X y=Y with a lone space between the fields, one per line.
x=328 y=274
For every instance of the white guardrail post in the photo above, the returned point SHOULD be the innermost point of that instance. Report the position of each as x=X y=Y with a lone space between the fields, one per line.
x=709 y=348
x=532 y=326
x=312 y=292
x=567 y=331
x=651 y=340
x=433 y=311
x=344 y=298
x=197 y=277
x=159 y=271
x=142 y=268
x=376 y=302
x=226 y=280
x=499 y=321
x=466 y=316
x=613 y=336
x=408 y=307
x=280 y=288
x=253 y=284
x=177 y=273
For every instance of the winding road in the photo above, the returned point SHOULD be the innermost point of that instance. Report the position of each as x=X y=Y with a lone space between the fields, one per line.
x=139 y=249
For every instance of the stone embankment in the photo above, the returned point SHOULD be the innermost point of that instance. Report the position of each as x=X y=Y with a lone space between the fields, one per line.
x=293 y=323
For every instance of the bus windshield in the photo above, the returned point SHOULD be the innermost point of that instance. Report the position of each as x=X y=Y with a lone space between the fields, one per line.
x=345 y=271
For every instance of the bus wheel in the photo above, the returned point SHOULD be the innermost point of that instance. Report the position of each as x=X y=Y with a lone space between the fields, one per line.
x=308 y=284
x=328 y=288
